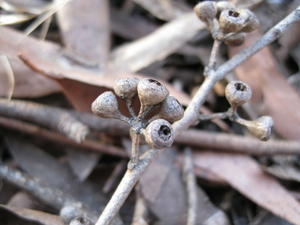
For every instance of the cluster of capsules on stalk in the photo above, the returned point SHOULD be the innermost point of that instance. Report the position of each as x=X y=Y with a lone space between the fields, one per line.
x=226 y=22
x=238 y=93
x=229 y=24
x=154 y=99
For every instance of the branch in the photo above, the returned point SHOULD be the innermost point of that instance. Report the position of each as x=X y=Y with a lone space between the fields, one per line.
x=49 y=195
x=196 y=138
x=191 y=114
x=125 y=187
x=91 y=145
x=53 y=118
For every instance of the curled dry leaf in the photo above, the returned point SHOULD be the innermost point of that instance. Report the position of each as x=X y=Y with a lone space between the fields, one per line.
x=243 y=174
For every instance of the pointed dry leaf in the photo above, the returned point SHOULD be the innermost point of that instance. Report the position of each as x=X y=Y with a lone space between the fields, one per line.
x=245 y=175
x=163 y=190
x=157 y=45
x=82 y=163
x=86 y=39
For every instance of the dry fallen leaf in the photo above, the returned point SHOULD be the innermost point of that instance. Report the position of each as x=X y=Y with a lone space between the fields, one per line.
x=88 y=83
x=25 y=78
x=87 y=38
x=246 y=176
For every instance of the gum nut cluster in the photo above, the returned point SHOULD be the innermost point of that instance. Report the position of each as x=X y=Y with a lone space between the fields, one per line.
x=158 y=133
x=230 y=19
x=237 y=93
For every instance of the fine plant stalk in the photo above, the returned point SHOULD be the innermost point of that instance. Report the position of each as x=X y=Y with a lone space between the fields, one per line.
x=191 y=115
x=212 y=63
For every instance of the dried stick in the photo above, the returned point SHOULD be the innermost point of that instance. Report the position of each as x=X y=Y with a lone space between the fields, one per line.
x=52 y=118
x=57 y=138
x=191 y=114
x=125 y=187
x=191 y=187
x=236 y=144
x=49 y=195
x=195 y=138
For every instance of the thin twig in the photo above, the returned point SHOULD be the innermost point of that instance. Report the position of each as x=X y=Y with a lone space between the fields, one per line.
x=57 y=138
x=221 y=115
x=126 y=185
x=197 y=138
x=191 y=113
x=135 y=138
x=53 y=118
x=212 y=63
x=191 y=187
x=49 y=195
x=129 y=105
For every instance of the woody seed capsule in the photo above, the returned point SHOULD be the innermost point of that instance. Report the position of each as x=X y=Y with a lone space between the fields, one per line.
x=126 y=88
x=223 y=5
x=231 y=21
x=252 y=22
x=261 y=127
x=171 y=110
x=159 y=134
x=151 y=92
x=106 y=105
x=206 y=10
x=237 y=93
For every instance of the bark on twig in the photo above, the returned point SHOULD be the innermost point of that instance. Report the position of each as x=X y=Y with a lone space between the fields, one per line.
x=191 y=187
x=52 y=118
